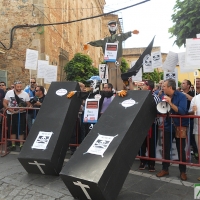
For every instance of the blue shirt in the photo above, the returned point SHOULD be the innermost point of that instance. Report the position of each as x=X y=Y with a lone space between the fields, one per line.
x=180 y=100
x=29 y=91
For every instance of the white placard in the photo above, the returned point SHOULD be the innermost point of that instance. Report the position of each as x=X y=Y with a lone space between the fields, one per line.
x=138 y=76
x=172 y=75
x=51 y=74
x=133 y=63
x=31 y=59
x=100 y=145
x=147 y=64
x=42 y=140
x=156 y=59
x=42 y=67
x=198 y=35
x=170 y=62
x=103 y=69
x=192 y=56
x=181 y=61
x=91 y=111
x=110 y=52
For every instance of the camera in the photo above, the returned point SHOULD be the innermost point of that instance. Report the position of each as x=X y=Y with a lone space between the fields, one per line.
x=33 y=100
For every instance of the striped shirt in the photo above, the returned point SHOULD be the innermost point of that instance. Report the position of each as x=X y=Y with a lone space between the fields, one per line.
x=157 y=100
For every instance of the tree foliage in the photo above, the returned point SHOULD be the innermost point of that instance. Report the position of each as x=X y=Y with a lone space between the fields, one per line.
x=124 y=66
x=80 y=68
x=186 y=20
x=154 y=76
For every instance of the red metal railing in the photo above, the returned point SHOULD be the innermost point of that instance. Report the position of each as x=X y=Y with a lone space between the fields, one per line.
x=187 y=149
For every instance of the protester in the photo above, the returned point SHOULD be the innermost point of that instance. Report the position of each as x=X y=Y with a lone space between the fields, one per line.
x=152 y=134
x=30 y=89
x=36 y=102
x=16 y=117
x=104 y=102
x=159 y=87
x=195 y=110
x=185 y=86
x=3 y=86
x=178 y=103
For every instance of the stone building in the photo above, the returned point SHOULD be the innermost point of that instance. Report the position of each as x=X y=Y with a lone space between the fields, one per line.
x=56 y=43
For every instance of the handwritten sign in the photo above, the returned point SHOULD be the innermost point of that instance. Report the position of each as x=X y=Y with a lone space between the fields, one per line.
x=42 y=67
x=51 y=74
x=31 y=59
x=181 y=61
x=170 y=62
x=192 y=57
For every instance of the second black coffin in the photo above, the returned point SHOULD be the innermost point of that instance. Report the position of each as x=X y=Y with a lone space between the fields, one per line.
x=100 y=176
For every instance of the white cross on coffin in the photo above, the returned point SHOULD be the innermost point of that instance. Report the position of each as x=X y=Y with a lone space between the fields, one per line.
x=83 y=188
x=38 y=165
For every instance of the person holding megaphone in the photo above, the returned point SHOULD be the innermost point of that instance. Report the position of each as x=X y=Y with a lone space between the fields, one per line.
x=178 y=106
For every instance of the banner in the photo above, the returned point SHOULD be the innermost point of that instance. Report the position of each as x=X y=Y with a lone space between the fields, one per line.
x=135 y=69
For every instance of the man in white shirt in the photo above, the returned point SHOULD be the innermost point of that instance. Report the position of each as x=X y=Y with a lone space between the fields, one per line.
x=16 y=117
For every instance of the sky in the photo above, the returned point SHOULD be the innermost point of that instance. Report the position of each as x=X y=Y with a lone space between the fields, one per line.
x=150 y=18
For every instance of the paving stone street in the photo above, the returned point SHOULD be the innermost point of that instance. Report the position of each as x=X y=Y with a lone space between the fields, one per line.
x=17 y=184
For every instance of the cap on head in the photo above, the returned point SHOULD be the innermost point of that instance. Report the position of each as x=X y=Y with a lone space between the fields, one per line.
x=94 y=78
x=112 y=29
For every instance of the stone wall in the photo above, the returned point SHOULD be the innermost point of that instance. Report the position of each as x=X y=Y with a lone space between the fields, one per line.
x=57 y=43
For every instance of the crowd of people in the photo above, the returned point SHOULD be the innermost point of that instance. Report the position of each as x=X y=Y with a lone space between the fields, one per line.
x=13 y=100
x=182 y=101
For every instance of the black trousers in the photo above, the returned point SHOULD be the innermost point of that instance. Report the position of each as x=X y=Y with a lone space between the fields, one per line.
x=152 y=146
x=168 y=137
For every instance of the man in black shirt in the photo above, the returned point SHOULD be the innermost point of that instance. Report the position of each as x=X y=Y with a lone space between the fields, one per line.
x=37 y=100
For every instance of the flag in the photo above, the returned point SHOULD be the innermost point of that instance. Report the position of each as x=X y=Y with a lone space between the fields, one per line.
x=134 y=70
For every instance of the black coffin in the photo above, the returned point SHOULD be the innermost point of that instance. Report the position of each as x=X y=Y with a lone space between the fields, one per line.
x=58 y=115
x=100 y=177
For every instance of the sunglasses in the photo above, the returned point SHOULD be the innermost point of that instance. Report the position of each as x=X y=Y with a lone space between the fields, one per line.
x=17 y=82
x=37 y=90
x=33 y=82
x=2 y=85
